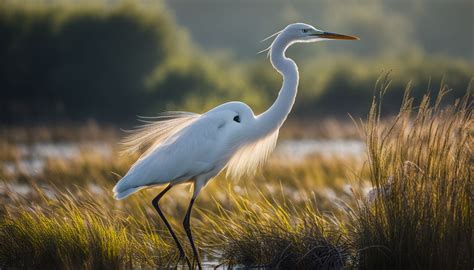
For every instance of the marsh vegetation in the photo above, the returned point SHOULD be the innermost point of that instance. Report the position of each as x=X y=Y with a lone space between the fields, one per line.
x=407 y=203
x=389 y=189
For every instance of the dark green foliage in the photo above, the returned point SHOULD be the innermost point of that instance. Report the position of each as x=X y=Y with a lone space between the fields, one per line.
x=111 y=62
x=336 y=87
x=78 y=63
x=386 y=28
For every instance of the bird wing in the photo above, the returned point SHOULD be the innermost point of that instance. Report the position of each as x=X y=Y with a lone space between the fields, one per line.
x=185 y=153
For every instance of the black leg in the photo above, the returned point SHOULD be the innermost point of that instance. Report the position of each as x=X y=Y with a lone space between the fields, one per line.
x=187 y=228
x=157 y=207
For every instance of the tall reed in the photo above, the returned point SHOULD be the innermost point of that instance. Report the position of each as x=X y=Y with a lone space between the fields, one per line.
x=421 y=166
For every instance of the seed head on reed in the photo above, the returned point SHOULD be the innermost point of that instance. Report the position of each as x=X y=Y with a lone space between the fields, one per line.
x=421 y=168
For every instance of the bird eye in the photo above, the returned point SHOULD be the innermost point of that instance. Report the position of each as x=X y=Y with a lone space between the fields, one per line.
x=237 y=119
x=305 y=30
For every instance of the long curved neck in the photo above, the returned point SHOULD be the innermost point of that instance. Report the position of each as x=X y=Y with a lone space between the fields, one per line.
x=273 y=117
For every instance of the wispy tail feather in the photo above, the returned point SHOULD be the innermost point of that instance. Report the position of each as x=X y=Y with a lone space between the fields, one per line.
x=156 y=130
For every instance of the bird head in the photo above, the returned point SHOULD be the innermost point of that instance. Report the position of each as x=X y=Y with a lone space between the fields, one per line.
x=303 y=33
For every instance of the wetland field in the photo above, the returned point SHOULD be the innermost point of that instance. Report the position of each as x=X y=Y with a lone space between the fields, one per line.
x=365 y=174
x=388 y=194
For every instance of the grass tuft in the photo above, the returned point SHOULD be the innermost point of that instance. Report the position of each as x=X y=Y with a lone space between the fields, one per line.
x=65 y=232
x=270 y=233
x=421 y=166
x=305 y=214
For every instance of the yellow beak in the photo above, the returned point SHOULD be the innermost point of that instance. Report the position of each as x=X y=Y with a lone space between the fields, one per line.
x=330 y=35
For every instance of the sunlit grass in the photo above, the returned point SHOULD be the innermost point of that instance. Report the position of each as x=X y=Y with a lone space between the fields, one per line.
x=63 y=230
x=135 y=221
x=267 y=232
x=421 y=165
x=292 y=214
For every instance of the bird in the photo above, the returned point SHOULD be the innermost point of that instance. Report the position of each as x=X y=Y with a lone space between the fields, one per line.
x=184 y=147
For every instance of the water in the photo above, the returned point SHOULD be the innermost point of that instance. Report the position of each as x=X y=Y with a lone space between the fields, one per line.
x=300 y=149
x=33 y=156
x=63 y=150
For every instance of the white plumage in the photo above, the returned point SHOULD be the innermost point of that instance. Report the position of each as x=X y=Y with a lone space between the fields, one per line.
x=187 y=147
x=251 y=156
x=180 y=149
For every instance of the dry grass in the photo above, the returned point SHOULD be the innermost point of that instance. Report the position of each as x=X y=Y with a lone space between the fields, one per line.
x=291 y=215
x=67 y=231
x=79 y=195
x=275 y=234
x=421 y=164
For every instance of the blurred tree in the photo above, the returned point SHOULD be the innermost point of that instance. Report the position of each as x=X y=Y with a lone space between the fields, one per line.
x=84 y=62
x=386 y=27
x=111 y=60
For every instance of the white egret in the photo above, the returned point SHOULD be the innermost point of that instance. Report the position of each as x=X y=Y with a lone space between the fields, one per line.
x=194 y=148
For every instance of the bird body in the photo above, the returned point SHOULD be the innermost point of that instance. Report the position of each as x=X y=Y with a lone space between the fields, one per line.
x=189 y=147
x=200 y=149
